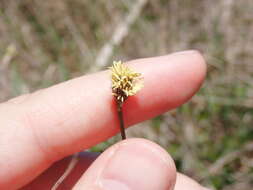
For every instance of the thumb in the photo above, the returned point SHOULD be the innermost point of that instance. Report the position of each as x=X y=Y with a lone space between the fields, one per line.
x=132 y=164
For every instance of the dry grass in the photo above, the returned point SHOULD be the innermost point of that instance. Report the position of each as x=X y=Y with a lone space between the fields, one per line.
x=43 y=43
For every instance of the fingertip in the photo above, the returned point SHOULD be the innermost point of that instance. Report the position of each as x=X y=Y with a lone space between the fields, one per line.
x=148 y=149
x=199 y=65
x=197 y=68
x=193 y=67
x=131 y=164
x=169 y=81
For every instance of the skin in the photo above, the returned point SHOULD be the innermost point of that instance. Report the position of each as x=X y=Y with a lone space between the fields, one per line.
x=40 y=130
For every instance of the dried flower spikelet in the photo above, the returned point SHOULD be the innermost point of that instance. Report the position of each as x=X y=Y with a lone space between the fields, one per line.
x=125 y=82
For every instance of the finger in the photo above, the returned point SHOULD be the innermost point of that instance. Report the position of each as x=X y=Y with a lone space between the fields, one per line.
x=79 y=113
x=129 y=165
x=82 y=111
x=185 y=183
x=48 y=178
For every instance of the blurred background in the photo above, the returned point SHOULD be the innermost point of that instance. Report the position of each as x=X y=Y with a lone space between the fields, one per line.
x=211 y=137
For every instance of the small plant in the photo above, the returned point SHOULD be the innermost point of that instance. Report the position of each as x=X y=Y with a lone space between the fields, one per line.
x=125 y=83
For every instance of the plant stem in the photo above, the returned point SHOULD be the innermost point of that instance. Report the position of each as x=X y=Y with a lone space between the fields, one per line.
x=121 y=120
x=68 y=170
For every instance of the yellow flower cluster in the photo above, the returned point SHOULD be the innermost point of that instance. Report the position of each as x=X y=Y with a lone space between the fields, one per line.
x=125 y=82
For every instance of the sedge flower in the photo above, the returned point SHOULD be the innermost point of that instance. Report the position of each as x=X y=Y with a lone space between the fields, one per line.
x=125 y=81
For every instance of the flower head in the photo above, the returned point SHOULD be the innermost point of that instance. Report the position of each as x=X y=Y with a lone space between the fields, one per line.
x=125 y=82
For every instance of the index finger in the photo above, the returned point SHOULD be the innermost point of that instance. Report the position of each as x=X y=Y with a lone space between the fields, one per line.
x=83 y=111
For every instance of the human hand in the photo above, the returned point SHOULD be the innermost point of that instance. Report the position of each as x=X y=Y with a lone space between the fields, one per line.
x=39 y=129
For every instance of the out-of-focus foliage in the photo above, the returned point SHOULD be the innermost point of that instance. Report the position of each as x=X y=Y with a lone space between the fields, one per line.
x=210 y=138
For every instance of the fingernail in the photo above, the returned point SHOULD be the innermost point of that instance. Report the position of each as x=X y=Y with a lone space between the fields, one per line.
x=135 y=167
